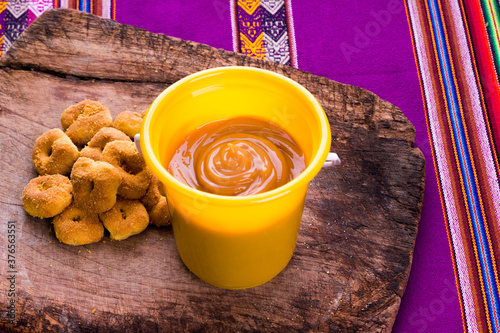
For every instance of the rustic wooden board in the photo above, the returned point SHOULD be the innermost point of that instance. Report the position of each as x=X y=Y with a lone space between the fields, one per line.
x=355 y=247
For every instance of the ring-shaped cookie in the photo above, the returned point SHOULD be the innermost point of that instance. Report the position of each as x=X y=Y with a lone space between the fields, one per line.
x=154 y=193
x=128 y=122
x=125 y=219
x=159 y=214
x=135 y=174
x=95 y=185
x=54 y=152
x=104 y=136
x=75 y=226
x=83 y=120
x=46 y=196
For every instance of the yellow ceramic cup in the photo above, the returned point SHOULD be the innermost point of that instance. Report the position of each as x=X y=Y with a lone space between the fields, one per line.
x=235 y=242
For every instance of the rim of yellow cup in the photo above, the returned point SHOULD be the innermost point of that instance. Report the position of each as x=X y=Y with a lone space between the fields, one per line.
x=303 y=179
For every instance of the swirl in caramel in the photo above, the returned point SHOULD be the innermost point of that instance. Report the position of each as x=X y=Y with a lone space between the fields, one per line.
x=236 y=157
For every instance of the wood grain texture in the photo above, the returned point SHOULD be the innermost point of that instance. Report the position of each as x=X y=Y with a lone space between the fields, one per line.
x=355 y=246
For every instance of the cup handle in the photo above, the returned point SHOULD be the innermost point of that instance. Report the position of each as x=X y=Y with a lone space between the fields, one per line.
x=331 y=160
x=137 y=142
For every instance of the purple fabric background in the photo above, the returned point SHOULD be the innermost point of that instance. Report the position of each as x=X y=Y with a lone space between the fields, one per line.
x=363 y=43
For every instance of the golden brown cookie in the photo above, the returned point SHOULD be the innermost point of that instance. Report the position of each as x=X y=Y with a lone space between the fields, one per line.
x=159 y=214
x=54 y=152
x=104 y=136
x=154 y=193
x=75 y=226
x=47 y=196
x=83 y=120
x=128 y=122
x=95 y=185
x=125 y=219
x=132 y=168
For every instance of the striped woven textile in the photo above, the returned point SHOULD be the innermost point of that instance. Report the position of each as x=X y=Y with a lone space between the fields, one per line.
x=104 y=8
x=264 y=29
x=16 y=16
x=456 y=46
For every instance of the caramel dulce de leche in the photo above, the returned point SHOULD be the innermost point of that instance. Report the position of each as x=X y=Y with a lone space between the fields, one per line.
x=235 y=157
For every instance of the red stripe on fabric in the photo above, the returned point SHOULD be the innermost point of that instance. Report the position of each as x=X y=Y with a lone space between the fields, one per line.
x=72 y=4
x=113 y=9
x=490 y=100
x=97 y=7
x=486 y=66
